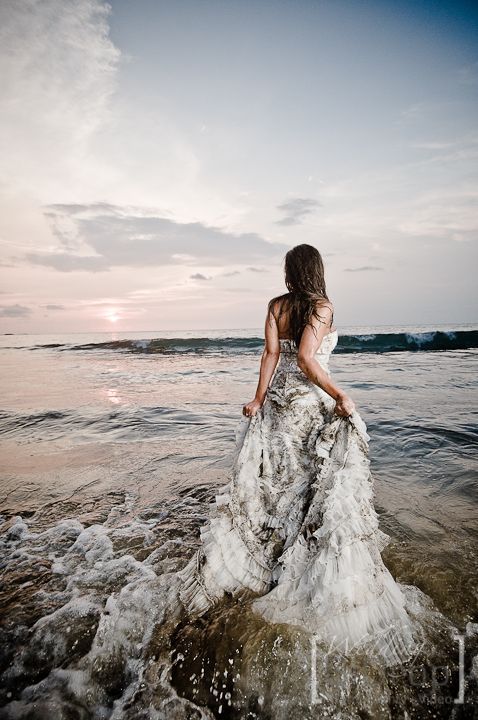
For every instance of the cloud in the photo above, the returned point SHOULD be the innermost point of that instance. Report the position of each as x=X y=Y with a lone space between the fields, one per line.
x=413 y=112
x=257 y=269
x=443 y=214
x=59 y=72
x=230 y=274
x=54 y=307
x=16 y=310
x=65 y=262
x=108 y=236
x=433 y=145
x=364 y=268
x=296 y=210
x=199 y=276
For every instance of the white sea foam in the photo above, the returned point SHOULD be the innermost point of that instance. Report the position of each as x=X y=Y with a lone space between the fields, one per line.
x=105 y=633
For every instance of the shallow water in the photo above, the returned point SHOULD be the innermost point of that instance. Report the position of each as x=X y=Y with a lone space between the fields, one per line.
x=109 y=460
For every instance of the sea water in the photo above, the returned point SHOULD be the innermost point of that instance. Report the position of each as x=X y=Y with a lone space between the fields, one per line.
x=113 y=447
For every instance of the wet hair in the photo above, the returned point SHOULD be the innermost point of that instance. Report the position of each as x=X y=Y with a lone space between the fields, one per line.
x=304 y=278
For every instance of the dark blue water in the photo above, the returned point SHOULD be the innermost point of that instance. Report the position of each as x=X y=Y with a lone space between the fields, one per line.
x=376 y=342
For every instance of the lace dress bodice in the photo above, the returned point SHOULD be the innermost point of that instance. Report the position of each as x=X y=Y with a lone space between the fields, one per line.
x=289 y=350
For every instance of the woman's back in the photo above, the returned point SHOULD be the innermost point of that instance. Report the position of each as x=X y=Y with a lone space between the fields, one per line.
x=283 y=318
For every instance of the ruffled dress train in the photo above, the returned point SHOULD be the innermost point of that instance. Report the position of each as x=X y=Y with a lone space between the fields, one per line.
x=296 y=524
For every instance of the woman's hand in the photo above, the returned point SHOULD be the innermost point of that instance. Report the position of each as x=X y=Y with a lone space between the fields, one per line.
x=252 y=408
x=344 y=405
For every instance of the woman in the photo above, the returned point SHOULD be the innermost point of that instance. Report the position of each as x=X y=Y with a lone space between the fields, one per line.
x=305 y=314
x=296 y=523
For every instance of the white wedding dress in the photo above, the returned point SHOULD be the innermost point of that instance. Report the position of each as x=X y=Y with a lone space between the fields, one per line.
x=296 y=523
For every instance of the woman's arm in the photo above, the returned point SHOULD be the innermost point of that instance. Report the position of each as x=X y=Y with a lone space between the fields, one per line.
x=269 y=359
x=309 y=344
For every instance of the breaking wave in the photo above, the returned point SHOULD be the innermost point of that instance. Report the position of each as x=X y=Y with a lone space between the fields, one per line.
x=376 y=343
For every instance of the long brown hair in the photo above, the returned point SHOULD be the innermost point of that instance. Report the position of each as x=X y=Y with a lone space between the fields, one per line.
x=304 y=278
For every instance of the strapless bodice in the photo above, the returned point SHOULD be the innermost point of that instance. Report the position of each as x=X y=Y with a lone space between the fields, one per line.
x=288 y=349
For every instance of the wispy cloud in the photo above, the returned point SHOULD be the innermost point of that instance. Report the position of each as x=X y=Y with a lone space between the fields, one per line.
x=59 y=71
x=64 y=262
x=15 y=311
x=364 y=268
x=413 y=112
x=432 y=145
x=449 y=214
x=296 y=210
x=110 y=236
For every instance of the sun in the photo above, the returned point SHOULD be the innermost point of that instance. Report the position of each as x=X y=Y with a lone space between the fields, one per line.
x=112 y=316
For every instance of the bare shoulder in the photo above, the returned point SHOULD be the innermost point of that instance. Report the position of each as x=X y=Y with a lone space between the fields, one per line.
x=325 y=311
x=275 y=305
x=323 y=315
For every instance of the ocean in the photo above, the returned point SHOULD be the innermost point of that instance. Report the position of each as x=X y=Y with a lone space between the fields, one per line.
x=113 y=447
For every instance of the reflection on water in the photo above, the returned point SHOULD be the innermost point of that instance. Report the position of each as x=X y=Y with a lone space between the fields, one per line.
x=114 y=396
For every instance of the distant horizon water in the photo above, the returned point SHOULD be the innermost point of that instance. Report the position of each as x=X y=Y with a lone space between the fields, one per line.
x=230 y=341
x=253 y=328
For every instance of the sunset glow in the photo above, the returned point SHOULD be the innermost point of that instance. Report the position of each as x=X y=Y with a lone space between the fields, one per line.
x=174 y=189
x=112 y=316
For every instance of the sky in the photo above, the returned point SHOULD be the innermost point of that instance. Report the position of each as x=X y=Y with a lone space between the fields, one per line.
x=159 y=158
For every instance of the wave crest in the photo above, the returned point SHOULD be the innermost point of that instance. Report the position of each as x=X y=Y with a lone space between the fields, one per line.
x=373 y=342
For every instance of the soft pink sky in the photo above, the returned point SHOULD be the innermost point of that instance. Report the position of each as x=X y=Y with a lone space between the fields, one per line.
x=158 y=160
